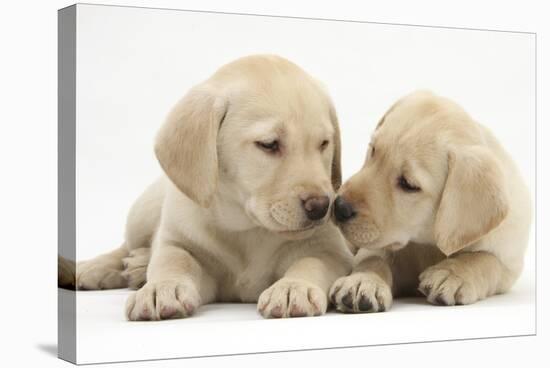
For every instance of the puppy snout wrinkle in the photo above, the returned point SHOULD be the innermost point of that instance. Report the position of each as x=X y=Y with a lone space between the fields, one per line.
x=316 y=207
x=343 y=210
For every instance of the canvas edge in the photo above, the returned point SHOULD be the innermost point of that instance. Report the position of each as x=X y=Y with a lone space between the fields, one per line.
x=66 y=90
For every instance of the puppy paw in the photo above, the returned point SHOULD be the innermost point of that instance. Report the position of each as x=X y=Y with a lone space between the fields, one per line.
x=135 y=267
x=292 y=298
x=361 y=292
x=163 y=300
x=445 y=286
x=98 y=276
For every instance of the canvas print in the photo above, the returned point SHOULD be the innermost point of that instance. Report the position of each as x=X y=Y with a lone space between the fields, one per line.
x=232 y=184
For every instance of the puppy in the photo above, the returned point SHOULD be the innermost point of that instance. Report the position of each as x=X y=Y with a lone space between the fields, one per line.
x=438 y=206
x=252 y=161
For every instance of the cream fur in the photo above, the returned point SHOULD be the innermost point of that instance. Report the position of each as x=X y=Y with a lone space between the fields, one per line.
x=226 y=222
x=461 y=238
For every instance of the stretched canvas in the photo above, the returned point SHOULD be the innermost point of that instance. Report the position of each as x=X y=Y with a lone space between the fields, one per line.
x=127 y=73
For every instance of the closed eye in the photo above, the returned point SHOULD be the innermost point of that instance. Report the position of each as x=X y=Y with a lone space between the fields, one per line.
x=269 y=146
x=407 y=186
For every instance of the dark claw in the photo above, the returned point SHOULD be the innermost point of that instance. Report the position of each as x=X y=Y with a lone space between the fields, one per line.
x=364 y=304
x=439 y=300
x=348 y=300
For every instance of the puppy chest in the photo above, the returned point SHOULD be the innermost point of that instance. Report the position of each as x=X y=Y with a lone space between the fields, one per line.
x=251 y=283
x=249 y=269
x=247 y=281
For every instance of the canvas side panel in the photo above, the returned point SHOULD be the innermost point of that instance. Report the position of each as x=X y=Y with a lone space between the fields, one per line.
x=66 y=308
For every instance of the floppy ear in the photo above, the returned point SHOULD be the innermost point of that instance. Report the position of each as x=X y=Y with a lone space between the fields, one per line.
x=186 y=143
x=474 y=200
x=336 y=173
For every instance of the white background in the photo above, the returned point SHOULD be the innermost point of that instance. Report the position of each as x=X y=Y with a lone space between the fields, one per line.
x=29 y=185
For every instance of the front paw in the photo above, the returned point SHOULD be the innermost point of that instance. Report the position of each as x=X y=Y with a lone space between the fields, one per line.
x=445 y=286
x=163 y=300
x=292 y=298
x=361 y=292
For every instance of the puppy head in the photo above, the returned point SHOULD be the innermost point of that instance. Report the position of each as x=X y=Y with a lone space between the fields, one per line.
x=259 y=144
x=428 y=177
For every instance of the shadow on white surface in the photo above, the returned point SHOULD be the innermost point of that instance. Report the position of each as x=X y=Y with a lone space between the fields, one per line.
x=50 y=349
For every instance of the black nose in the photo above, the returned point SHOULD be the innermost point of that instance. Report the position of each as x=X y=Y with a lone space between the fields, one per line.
x=343 y=211
x=316 y=207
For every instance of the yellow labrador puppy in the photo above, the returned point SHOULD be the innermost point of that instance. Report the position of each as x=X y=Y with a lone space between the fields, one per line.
x=438 y=206
x=252 y=160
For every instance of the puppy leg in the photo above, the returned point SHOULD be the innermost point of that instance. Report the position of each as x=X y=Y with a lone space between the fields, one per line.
x=302 y=291
x=464 y=279
x=367 y=289
x=102 y=272
x=176 y=286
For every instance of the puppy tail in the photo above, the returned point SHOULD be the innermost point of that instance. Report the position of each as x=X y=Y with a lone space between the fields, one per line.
x=66 y=278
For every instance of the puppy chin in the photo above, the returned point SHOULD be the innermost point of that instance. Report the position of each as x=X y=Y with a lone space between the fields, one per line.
x=367 y=235
x=361 y=234
x=303 y=231
x=394 y=247
x=297 y=234
x=291 y=231
x=379 y=245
